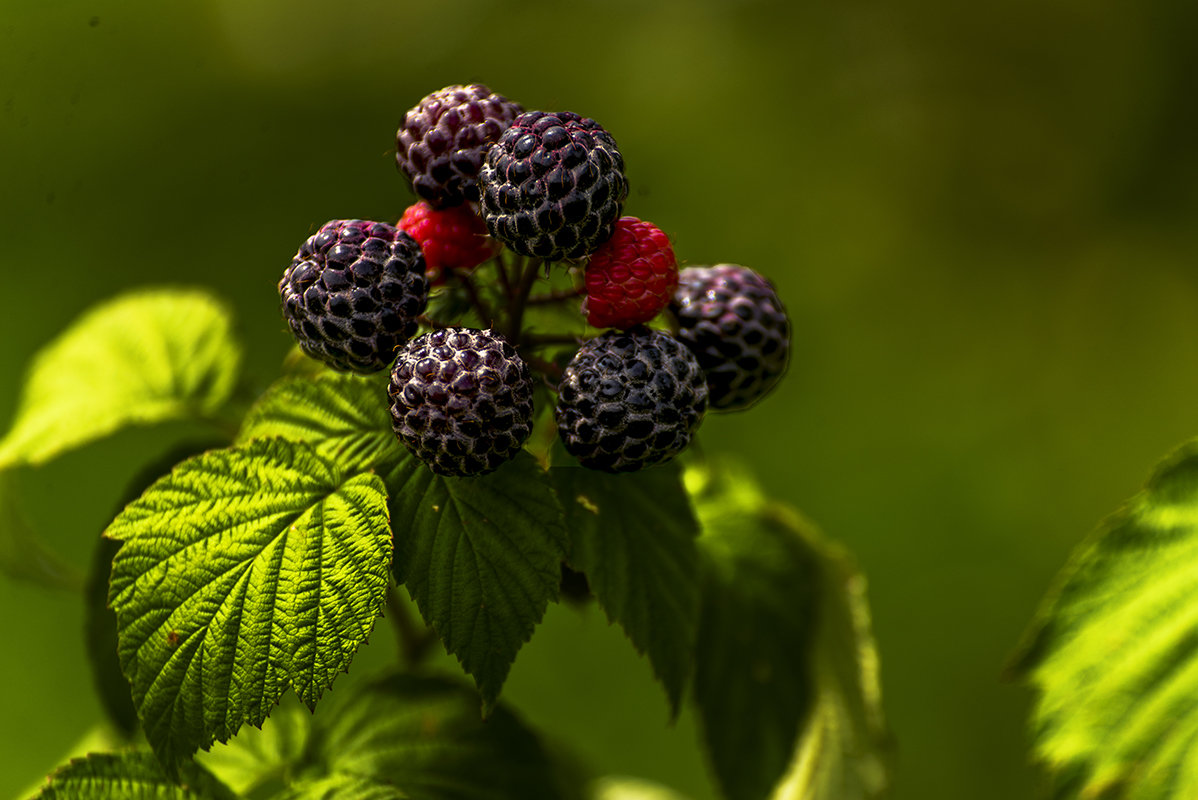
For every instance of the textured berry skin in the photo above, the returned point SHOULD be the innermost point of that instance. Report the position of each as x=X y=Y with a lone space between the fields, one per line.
x=451 y=238
x=631 y=277
x=553 y=186
x=353 y=293
x=629 y=400
x=461 y=400
x=732 y=320
x=442 y=141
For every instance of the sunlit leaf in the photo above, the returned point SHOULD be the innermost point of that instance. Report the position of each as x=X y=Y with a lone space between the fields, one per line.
x=341 y=786
x=345 y=418
x=621 y=788
x=257 y=759
x=480 y=556
x=241 y=573
x=634 y=537
x=134 y=775
x=141 y=358
x=1113 y=654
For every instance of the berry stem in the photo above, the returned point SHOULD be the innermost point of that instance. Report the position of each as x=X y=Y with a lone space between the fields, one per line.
x=435 y=324
x=519 y=299
x=543 y=339
x=556 y=296
x=547 y=368
x=485 y=314
x=505 y=281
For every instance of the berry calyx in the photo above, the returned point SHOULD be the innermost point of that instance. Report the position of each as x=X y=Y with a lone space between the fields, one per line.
x=443 y=139
x=353 y=293
x=461 y=400
x=631 y=277
x=629 y=400
x=553 y=185
x=453 y=238
x=732 y=320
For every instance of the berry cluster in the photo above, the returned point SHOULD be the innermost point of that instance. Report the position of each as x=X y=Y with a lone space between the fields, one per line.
x=524 y=191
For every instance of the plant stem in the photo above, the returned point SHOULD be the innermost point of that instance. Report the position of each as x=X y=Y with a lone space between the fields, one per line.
x=414 y=641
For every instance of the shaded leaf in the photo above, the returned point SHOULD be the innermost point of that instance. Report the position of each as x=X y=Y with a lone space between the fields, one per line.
x=844 y=751
x=243 y=572
x=133 y=775
x=480 y=556
x=634 y=537
x=141 y=358
x=424 y=735
x=345 y=418
x=1113 y=653
x=785 y=671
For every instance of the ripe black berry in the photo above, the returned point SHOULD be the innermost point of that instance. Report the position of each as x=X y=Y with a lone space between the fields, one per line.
x=630 y=400
x=731 y=319
x=461 y=400
x=553 y=186
x=442 y=141
x=353 y=293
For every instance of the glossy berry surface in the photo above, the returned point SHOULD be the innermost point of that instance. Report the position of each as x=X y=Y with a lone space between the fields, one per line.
x=461 y=400
x=451 y=238
x=629 y=400
x=631 y=277
x=353 y=294
x=732 y=320
x=442 y=141
x=553 y=186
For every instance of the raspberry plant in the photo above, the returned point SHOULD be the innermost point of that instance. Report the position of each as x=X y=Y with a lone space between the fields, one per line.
x=477 y=450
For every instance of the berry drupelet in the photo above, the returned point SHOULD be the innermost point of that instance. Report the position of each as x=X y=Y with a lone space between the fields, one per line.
x=353 y=293
x=553 y=186
x=629 y=400
x=461 y=400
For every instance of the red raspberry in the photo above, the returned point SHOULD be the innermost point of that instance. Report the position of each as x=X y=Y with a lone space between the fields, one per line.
x=451 y=238
x=631 y=277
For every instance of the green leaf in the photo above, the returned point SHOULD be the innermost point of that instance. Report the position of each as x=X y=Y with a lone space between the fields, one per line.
x=844 y=751
x=345 y=418
x=481 y=557
x=133 y=775
x=257 y=760
x=141 y=358
x=424 y=735
x=620 y=788
x=783 y=672
x=244 y=571
x=342 y=787
x=1113 y=654
x=634 y=537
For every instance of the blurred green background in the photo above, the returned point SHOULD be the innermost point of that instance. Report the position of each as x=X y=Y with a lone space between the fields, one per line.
x=981 y=218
